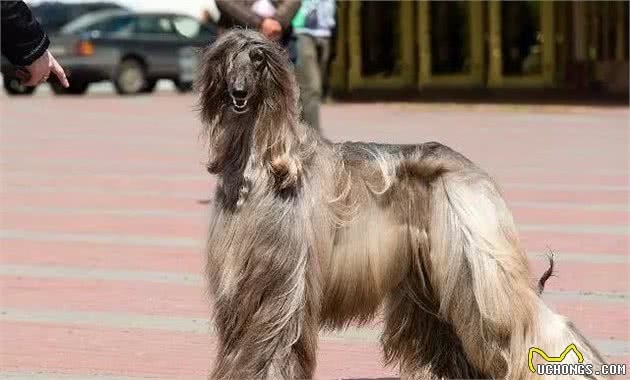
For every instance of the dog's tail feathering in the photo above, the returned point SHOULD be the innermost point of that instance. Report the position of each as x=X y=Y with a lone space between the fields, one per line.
x=481 y=275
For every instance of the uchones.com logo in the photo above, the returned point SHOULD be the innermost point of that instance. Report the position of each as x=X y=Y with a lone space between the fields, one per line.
x=554 y=365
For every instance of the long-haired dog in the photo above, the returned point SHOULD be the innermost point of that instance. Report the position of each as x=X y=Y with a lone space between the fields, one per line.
x=308 y=234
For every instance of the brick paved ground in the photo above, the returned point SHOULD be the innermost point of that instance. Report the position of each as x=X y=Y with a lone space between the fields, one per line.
x=102 y=228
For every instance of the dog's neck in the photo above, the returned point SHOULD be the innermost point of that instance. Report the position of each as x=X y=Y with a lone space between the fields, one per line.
x=258 y=146
x=235 y=145
x=231 y=156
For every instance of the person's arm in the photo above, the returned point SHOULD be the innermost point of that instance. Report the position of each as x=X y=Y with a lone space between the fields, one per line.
x=286 y=11
x=239 y=13
x=23 y=41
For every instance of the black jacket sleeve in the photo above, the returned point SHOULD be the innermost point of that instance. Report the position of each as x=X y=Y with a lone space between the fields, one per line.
x=22 y=38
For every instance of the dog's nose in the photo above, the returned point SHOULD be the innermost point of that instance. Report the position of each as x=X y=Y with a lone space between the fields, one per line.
x=239 y=94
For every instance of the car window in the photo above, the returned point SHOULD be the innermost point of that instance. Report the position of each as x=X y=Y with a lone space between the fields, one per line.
x=90 y=21
x=186 y=27
x=117 y=25
x=189 y=27
x=154 y=25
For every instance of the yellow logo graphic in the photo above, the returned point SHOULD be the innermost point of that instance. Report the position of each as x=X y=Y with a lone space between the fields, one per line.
x=553 y=359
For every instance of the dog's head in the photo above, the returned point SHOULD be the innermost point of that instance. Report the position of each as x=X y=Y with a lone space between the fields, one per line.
x=249 y=104
x=241 y=72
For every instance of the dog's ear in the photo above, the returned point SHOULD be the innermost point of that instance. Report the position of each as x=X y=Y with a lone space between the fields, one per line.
x=209 y=82
x=211 y=85
x=277 y=138
x=282 y=158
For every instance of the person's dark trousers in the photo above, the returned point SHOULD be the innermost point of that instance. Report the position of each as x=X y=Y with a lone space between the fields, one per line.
x=311 y=70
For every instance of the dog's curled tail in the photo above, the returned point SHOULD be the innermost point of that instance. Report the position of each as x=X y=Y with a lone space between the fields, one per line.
x=548 y=273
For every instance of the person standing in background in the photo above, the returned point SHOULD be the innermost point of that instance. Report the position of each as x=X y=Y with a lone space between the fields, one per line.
x=210 y=14
x=314 y=26
x=25 y=45
x=271 y=17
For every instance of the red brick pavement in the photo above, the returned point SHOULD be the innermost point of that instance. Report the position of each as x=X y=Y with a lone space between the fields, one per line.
x=101 y=226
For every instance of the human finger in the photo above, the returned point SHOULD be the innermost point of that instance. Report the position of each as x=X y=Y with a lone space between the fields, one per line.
x=22 y=74
x=58 y=71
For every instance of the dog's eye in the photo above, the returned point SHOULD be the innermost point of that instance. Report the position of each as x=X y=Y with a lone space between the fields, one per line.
x=256 y=56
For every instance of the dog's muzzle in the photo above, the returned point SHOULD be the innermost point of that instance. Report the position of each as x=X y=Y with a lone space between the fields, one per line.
x=239 y=105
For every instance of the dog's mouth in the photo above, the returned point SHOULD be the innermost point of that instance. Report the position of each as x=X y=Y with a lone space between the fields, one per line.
x=239 y=105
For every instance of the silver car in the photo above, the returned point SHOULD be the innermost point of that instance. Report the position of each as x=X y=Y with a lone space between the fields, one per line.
x=132 y=50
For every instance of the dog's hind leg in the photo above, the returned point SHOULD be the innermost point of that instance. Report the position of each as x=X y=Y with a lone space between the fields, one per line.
x=481 y=278
x=424 y=346
x=415 y=337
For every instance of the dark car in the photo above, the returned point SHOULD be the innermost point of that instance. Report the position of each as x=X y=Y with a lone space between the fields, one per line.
x=133 y=50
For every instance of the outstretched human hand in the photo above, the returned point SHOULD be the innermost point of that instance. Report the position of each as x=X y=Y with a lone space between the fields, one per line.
x=38 y=71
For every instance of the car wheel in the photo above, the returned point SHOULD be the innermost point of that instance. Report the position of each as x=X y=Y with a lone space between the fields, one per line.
x=75 y=88
x=130 y=78
x=150 y=86
x=183 y=87
x=13 y=86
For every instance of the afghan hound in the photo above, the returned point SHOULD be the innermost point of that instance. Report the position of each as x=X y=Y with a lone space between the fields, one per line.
x=310 y=235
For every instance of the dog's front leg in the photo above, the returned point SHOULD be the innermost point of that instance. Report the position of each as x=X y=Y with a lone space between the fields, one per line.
x=267 y=306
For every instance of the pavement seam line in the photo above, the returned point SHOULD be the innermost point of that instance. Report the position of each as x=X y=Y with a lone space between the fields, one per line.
x=202 y=326
x=191 y=279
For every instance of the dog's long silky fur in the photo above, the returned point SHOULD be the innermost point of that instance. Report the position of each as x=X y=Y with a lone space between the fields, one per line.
x=308 y=234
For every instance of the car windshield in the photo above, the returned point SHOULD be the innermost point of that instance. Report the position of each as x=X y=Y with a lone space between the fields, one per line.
x=89 y=20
